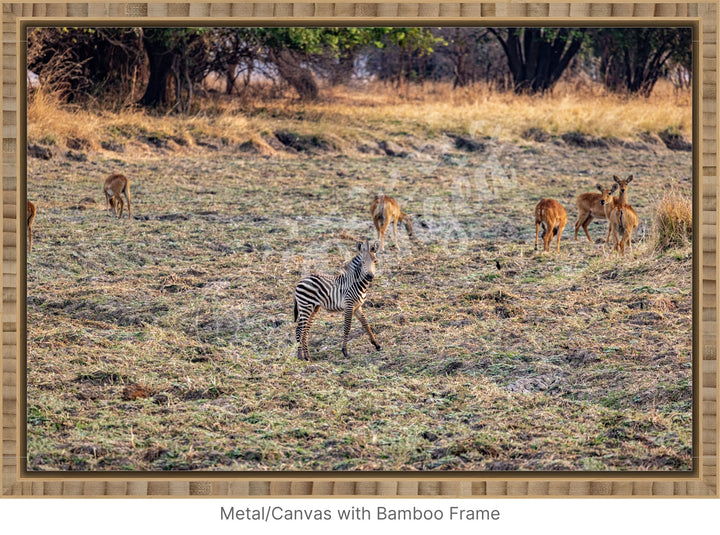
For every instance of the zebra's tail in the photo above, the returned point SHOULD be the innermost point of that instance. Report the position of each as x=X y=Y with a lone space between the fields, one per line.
x=295 y=313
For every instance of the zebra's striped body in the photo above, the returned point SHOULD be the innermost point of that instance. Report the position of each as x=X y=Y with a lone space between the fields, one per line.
x=345 y=292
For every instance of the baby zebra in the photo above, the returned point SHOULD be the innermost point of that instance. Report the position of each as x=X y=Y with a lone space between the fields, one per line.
x=345 y=292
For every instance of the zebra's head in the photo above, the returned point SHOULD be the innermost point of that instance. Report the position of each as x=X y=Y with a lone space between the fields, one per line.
x=367 y=256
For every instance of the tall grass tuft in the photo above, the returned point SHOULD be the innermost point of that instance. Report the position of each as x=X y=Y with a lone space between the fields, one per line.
x=672 y=221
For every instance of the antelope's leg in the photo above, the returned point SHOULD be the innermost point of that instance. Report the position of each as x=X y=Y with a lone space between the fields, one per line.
x=585 y=226
x=579 y=222
x=127 y=196
x=547 y=237
x=560 y=231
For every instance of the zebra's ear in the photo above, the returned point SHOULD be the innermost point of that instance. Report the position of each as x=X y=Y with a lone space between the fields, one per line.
x=360 y=246
x=374 y=247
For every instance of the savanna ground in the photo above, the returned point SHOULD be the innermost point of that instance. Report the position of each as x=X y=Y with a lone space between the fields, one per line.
x=168 y=343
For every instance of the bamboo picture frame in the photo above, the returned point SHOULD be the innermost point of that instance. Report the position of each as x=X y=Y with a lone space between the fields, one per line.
x=702 y=481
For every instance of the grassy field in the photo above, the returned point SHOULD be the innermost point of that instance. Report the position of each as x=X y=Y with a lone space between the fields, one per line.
x=167 y=342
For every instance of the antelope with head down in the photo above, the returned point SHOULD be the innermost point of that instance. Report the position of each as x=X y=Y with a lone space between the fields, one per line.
x=114 y=186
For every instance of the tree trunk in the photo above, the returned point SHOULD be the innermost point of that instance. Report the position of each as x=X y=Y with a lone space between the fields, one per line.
x=536 y=61
x=160 y=62
x=300 y=78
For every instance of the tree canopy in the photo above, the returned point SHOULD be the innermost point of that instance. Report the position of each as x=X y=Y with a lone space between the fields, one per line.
x=164 y=67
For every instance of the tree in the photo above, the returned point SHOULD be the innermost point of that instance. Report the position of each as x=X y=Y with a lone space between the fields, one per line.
x=633 y=59
x=233 y=52
x=537 y=57
x=169 y=51
x=78 y=64
x=402 y=55
x=297 y=52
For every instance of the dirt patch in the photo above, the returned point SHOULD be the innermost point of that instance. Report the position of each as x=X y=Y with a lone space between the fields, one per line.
x=136 y=391
x=576 y=139
x=674 y=141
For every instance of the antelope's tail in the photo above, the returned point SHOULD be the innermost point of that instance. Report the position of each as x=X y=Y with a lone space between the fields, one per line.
x=379 y=209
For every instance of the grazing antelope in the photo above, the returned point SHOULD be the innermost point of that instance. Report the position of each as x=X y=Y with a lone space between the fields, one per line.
x=344 y=292
x=589 y=206
x=552 y=216
x=385 y=210
x=114 y=185
x=31 y=211
x=623 y=221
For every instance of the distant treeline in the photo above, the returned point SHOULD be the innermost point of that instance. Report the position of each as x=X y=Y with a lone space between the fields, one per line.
x=167 y=66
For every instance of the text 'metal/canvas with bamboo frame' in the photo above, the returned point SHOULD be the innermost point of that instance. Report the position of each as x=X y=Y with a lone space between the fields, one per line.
x=702 y=481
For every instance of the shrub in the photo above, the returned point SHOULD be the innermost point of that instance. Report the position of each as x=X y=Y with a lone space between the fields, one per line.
x=672 y=221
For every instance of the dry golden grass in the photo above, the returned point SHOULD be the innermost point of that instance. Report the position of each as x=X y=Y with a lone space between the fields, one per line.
x=672 y=221
x=344 y=116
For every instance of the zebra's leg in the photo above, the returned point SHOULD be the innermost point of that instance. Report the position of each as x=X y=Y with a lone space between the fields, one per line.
x=348 y=321
x=306 y=333
x=302 y=331
x=302 y=318
x=363 y=320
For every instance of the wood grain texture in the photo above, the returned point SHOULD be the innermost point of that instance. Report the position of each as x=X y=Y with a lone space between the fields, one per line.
x=702 y=483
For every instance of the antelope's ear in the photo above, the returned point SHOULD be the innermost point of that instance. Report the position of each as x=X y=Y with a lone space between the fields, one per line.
x=598 y=186
x=374 y=247
x=615 y=186
x=628 y=179
x=616 y=179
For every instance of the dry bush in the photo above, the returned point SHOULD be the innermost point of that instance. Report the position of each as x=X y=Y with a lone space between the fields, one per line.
x=672 y=221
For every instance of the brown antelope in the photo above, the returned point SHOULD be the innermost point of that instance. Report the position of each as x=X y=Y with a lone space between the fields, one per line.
x=589 y=206
x=608 y=203
x=384 y=210
x=623 y=221
x=31 y=211
x=552 y=216
x=116 y=184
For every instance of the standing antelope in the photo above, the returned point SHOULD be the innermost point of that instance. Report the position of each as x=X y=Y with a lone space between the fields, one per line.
x=623 y=221
x=384 y=210
x=552 y=216
x=608 y=203
x=114 y=185
x=589 y=206
x=344 y=292
x=31 y=211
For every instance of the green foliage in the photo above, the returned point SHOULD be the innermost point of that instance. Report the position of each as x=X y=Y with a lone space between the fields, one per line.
x=633 y=59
